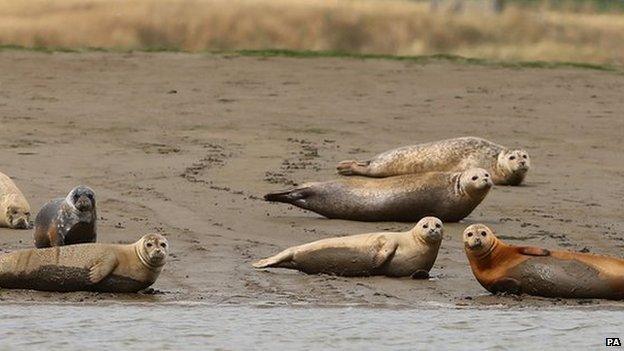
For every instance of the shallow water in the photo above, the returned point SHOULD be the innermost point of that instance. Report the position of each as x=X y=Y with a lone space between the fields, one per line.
x=175 y=327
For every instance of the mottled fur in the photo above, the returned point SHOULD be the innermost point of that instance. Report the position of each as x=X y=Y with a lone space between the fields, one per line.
x=507 y=167
x=407 y=198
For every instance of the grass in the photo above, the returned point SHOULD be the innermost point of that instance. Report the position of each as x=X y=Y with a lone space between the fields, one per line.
x=422 y=59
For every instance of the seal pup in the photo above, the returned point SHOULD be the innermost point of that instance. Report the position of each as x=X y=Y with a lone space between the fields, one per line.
x=14 y=209
x=403 y=254
x=501 y=268
x=406 y=198
x=67 y=221
x=86 y=267
x=507 y=166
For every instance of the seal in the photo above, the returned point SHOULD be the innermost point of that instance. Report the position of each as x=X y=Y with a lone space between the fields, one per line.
x=507 y=166
x=67 y=221
x=501 y=268
x=401 y=254
x=406 y=198
x=14 y=209
x=86 y=267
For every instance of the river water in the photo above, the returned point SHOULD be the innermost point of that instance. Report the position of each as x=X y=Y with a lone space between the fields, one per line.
x=201 y=327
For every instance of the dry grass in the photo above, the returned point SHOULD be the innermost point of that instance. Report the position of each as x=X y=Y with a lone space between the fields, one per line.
x=364 y=26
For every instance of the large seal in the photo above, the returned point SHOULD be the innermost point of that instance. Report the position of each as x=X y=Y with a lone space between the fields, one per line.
x=507 y=166
x=501 y=268
x=14 y=209
x=405 y=198
x=86 y=267
x=67 y=221
x=410 y=253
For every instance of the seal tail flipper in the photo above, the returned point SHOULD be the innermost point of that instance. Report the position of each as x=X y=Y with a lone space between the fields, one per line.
x=352 y=167
x=288 y=196
x=282 y=259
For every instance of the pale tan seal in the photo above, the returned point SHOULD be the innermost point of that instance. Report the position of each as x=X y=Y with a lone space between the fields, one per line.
x=507 y=166
x=86 y=267
x=69 y=220
x=410 y=253
x=14 y=209
x=406 y=198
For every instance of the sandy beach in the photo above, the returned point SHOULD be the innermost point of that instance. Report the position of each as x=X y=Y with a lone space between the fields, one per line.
x=187 y=144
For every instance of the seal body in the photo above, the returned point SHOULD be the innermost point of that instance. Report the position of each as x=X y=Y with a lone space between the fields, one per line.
x=410 y=253
x=67 y=221
x=14 y=209
x=502 y=268
x=86 y=267
x=507 y=167
x=407 y=198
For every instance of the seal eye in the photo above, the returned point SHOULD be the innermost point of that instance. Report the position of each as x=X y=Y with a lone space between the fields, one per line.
x=438 y=225
x=487 y=175
x=512 y=157
x=149 y=245
x=524 y=156
x=90 y=196
x=426 y=226
x=469 y=235
x=483 y=233
x=475 y=178
x=163 y=245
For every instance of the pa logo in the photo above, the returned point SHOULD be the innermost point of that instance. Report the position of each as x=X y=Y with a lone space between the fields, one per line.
x=613 y=342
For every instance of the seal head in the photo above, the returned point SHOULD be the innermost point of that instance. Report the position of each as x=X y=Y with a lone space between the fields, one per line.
x=429 y=229
x=479 y=239
x=152 y=250
x=476 y=182
x=514 y=165
x=82 y=198
x=17 y=217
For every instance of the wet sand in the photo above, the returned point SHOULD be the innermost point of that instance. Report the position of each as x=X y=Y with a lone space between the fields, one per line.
x=186 y=145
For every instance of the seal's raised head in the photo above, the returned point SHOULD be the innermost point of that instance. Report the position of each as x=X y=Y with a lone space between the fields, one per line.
x=475 y=181
x=479 y=239
x=18 y=217
x=515 y=164
x=429 y=229
x=81 y=198
x=152 y=250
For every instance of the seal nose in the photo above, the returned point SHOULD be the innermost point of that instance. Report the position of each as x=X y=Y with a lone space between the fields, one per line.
x=522 y=163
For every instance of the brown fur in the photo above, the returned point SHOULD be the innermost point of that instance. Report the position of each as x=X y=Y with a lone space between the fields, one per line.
x=503 y=268
x=14 y=209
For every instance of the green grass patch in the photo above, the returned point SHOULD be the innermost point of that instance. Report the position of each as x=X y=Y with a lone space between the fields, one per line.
x=336 y=54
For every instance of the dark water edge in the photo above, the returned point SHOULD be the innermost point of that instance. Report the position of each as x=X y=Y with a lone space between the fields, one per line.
x=247 y=327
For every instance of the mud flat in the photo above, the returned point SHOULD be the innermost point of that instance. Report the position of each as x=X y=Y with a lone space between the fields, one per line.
x=186 y=145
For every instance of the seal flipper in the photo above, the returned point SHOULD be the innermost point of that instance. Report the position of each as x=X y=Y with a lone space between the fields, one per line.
x=506 y=285
x=289 y=196
x=282 y=259
x=420 y=274
x=352 y=167
x=533 y=251
x=102 y=268
x=387 y=250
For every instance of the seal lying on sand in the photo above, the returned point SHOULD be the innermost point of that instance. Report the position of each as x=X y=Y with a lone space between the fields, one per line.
x=86 y=267
x=14 y=209
x=501 y=268
x=66 y=221
x=407 y=198
x=507 y=166
x=410 y=253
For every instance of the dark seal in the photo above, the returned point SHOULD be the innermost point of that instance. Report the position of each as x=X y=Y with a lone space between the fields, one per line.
x=67 y=221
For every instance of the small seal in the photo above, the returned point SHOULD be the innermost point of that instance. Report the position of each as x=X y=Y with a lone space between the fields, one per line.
x=501 y=268
x=403 y=254
x=507 y=166
x=86 y=267
x=406 y=198
x=14 y=209
x=67 y=221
